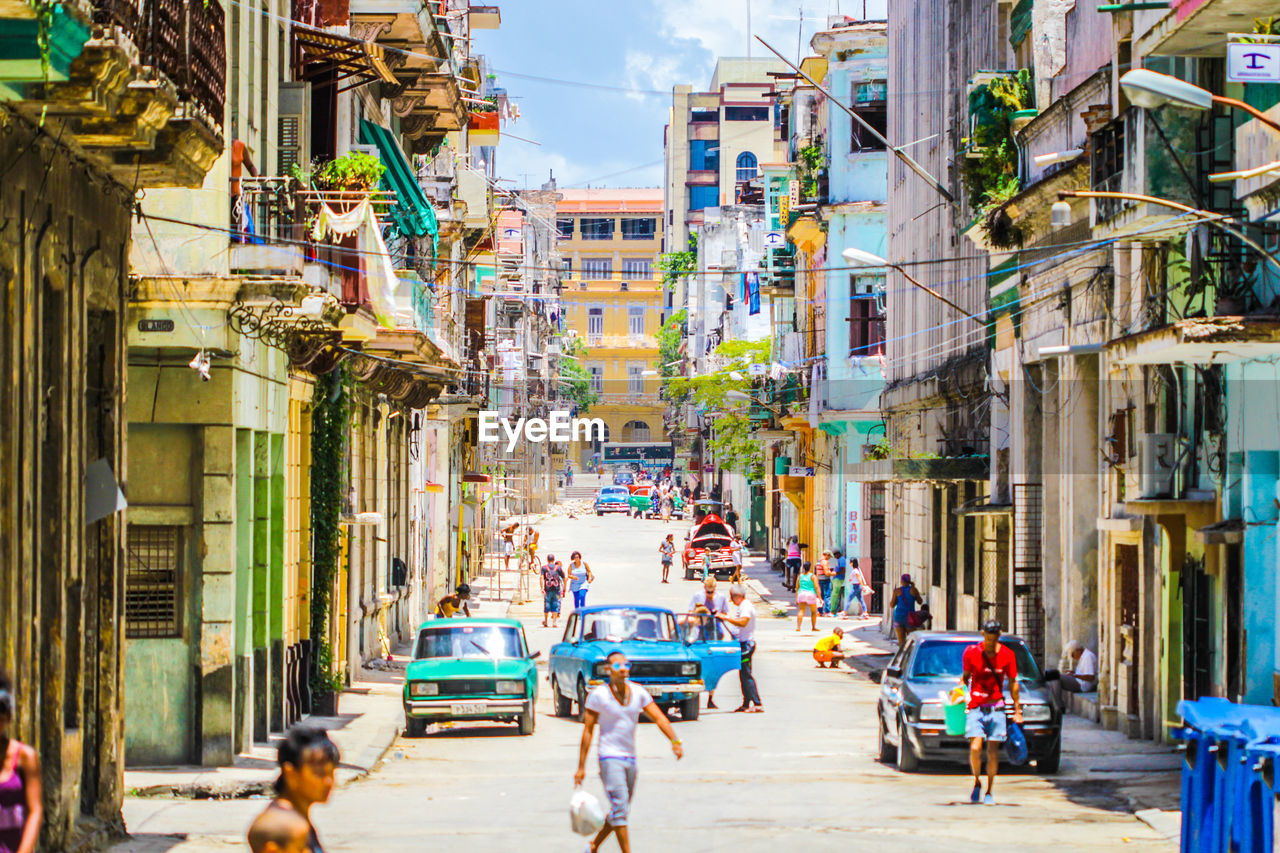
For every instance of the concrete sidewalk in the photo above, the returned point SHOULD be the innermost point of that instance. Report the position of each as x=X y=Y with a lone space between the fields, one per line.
x=369 y=717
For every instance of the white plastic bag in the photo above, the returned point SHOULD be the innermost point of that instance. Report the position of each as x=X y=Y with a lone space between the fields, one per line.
x=586 y=815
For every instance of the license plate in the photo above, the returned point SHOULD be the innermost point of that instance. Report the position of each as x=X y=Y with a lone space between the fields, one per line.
x=465 y=708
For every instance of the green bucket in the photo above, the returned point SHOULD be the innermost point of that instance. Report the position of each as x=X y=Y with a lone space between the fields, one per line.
x=954 y=715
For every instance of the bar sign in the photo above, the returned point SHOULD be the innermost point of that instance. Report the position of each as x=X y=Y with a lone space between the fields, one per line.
x=155 y=325
x=1253 y=63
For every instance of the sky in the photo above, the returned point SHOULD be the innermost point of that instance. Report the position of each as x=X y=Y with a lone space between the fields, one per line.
x=618 y=60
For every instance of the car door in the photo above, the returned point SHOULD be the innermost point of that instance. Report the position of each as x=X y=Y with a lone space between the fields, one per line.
x=561 y=661
x=718 y=652
x=891 y=688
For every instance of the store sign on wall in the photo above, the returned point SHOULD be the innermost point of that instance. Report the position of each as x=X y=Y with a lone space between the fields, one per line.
x=1253 y=63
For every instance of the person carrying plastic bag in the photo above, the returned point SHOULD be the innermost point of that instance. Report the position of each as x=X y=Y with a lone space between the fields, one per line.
x=617 y=707
x=987 y=665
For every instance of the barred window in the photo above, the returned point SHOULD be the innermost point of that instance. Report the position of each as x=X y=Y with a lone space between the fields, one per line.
x=152 y=564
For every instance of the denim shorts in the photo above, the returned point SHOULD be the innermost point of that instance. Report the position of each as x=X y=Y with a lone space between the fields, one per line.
x=551 y=601
x=618 y=775
x=987 y=722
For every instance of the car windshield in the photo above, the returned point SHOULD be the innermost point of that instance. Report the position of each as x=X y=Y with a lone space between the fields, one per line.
x=469 y=641
x=613 y=492
x=626 y=624
x=945 y=659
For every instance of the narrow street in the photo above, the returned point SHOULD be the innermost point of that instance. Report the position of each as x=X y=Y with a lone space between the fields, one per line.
x=804 y=772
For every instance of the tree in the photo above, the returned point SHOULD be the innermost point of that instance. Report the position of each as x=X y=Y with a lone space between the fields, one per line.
x=676 y=265
x=575 y=379
x=732 y=442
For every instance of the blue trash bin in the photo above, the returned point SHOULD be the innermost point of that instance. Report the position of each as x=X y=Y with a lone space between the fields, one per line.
x=1226 y=796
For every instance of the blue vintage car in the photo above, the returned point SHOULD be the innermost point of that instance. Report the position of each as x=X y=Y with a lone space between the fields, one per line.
x=613 y=499
x=675 y=659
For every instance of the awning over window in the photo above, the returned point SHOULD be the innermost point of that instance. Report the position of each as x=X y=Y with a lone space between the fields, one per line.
x=413 y=213
x=317 y=53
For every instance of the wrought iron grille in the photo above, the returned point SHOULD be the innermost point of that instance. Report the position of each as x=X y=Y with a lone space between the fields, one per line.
x=1106 y=168
x=1028 y=566
x=152 y=566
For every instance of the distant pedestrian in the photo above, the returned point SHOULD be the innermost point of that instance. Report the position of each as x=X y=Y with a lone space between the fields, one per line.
x=568 y=474
x=508 y=534
x=735 y=553
x=731 y=516
x=827 y=650
x=308 y=760
x=987 y=665
x=667 y=552
x=617 y=707
x=793 y=561
x=21 y=797
x=552 y=590
x=451 y=604
x=1077 y=673
x=905 y=599
x=580 y=579
x=710 y=604
x=807 y=597
x=823 y=571
x=859 y=590
x=741 y=620
x=835 y=601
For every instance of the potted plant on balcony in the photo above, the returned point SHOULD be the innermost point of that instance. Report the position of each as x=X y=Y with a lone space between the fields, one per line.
x=354 y=171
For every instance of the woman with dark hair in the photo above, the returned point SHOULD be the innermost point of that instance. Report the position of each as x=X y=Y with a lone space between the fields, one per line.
x=580 y=579
x=21 y=804
x=307 y=760
x=451 y=604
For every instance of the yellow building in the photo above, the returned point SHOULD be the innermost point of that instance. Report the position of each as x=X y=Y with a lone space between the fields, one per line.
x=610 y=240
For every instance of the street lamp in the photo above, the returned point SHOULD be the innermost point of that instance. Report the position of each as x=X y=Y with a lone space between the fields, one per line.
x=1150 y=89
x=860 y=258
x=1060 y=214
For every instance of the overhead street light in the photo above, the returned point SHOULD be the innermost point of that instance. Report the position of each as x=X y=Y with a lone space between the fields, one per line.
x=1150 y=89
x=861 y=258
x=1060 y=215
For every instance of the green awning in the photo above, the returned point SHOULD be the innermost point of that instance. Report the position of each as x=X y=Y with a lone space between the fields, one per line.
x=1020 y=22
x=413 y=213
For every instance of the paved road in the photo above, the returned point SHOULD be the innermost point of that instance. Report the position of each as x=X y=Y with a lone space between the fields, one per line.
x=803 y=773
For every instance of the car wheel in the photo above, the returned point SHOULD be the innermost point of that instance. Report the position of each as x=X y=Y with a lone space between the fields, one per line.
x=527 y=720
x=416 y=727
x=599 y=512
x=888 y=754
x=908 y=760
x=582 y=699
x=690 y=707
x=1049 y=764
x=564 y=705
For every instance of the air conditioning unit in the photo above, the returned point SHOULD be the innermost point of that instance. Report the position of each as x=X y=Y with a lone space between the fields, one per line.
x=1159 y=464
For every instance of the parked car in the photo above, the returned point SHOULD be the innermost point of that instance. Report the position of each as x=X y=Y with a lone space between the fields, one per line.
x=613 y=499
x=641 y=500
x=910 y=713
x=623 y=478
x=470 y=669
x=710 y=536
x=676 y=660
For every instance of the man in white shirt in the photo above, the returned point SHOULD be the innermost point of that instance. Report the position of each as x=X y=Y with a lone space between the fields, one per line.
x=741 y=620
x=617 y=706
x=708 y=603
x=1079 y=673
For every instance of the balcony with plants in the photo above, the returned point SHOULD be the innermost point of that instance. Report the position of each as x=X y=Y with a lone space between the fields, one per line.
x=999 y=101
x=139 y=86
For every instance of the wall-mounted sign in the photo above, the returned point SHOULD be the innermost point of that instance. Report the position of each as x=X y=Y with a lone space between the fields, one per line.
x=793 y=191
x=155 y=325
x=1253 y=63
x=774 y=240
x=801 y=471
x=757 y=369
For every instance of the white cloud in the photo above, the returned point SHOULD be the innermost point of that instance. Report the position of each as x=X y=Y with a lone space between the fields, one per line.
x=646 y=71
x=719 y=27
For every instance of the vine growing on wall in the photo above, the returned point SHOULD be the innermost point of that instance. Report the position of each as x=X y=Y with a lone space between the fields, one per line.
x=329 y=426
x=676 y=265
x=990 y=165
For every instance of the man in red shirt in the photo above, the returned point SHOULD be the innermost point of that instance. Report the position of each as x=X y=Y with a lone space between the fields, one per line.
x=986 y=666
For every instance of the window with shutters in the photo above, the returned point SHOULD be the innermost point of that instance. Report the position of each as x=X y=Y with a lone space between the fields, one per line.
x=639 y=229
x=635 y=321
x=596 y=228
x=635 y=380
x=595 y=325
x=866 y=327
x=564 y=225
x=637 y=269
x=291 y=150
x=153 y=557
x=597 y=268
x=597 y=377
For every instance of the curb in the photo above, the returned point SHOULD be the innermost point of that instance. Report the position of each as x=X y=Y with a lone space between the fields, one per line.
x=374 y=753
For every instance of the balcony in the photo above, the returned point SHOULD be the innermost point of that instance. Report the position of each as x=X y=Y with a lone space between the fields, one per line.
x=427 y=60
x=1196 y=27
x=1131 y=155
x=140 y=87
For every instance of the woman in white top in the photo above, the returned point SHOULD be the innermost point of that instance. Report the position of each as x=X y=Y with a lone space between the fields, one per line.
x=580 y=578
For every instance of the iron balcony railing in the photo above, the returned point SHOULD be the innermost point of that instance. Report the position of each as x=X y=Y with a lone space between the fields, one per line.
x=186 y=41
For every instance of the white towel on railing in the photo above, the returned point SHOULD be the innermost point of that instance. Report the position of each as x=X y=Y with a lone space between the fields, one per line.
x=378 y=269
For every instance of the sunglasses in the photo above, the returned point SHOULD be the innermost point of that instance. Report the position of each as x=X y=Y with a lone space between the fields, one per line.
x=620 y=666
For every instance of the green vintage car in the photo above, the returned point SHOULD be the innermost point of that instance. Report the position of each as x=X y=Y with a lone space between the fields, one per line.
x=470 y=669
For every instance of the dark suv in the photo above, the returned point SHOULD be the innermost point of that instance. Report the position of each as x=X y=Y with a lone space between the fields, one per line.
x=911 y=724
